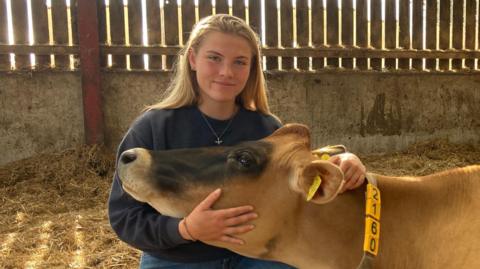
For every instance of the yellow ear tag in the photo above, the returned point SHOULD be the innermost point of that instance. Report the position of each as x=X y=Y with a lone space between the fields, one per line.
x=314 y=187
x=325 y=157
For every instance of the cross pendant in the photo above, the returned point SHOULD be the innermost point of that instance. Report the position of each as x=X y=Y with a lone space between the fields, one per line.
x=218 y=141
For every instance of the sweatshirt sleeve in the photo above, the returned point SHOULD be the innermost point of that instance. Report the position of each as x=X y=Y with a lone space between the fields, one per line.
x=137 y=223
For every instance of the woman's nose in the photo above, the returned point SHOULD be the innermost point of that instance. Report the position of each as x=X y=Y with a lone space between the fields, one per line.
x=226 y=70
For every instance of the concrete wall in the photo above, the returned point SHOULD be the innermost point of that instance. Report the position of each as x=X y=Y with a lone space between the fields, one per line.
x=125 y=95
x=39 y=112
x=368 y=112
x=375 y=112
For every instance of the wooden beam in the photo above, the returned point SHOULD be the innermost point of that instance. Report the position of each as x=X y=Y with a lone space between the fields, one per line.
x=319 y=52
x=90 y=69
x=138 y=50
x=39 y=49
x=370 y=53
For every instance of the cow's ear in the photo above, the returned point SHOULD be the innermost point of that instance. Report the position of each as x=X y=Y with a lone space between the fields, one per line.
x=330 y=180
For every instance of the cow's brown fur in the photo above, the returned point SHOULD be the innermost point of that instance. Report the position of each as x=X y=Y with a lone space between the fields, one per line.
x=426 y=222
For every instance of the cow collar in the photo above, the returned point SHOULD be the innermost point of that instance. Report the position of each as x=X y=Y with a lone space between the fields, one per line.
x=372 y=208
x=372 y=223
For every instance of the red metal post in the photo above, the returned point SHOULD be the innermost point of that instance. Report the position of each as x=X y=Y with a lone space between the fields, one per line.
x=90 y=68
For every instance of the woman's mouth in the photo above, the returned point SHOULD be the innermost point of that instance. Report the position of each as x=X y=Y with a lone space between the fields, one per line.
x=224 y=83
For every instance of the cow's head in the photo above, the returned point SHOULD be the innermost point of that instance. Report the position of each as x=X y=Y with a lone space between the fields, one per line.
x=273 y=175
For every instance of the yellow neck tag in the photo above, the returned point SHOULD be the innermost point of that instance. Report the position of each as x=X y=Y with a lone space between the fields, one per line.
x=314 y=187
x=372 y=220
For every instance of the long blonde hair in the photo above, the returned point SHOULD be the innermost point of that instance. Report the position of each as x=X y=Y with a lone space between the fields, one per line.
x=182 y=90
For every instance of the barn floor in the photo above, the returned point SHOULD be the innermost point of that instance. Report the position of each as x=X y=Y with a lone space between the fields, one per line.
x=53 y=212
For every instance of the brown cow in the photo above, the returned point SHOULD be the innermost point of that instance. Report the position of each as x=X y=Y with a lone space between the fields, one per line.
x=426 y=222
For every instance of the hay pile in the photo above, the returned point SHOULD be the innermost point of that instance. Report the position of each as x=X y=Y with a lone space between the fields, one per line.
x=423 y=158
x=53 y=212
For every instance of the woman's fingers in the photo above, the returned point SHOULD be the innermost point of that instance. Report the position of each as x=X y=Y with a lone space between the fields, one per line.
x=228 y=234
x=348 y=172
x=354 y=181
x=352 y=168
x=231 y=239
x=207 y=224
x=360 y=180
x=238 y=229
x=208 y=202
x=240 y=219
x=234 y=211
x=335 y=160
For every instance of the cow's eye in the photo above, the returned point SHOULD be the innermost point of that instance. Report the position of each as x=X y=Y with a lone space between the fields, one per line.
x=245 y=159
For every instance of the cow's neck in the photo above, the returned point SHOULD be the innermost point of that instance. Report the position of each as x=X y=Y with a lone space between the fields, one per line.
x=330 y=235
x=416 y=213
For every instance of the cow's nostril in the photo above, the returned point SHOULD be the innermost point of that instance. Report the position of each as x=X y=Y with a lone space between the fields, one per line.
x=128 y=157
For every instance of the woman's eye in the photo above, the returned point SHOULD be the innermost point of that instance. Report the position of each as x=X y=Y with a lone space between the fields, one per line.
x=241 y=63
x=214 y=58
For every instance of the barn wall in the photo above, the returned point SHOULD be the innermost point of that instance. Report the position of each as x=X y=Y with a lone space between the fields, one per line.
x=374 y=112
x=39 y=112
x=368 y=112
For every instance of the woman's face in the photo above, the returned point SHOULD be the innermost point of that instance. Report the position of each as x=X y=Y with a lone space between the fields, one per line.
x=222 y=65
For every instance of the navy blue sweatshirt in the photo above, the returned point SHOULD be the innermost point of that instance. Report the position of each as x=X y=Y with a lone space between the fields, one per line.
x=141 y=226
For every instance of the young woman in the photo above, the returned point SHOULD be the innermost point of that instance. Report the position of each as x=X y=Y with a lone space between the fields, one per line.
x=217 y=97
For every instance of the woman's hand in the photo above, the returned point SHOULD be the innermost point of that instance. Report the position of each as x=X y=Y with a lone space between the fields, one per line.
x=206 y=224
x=353 y=170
